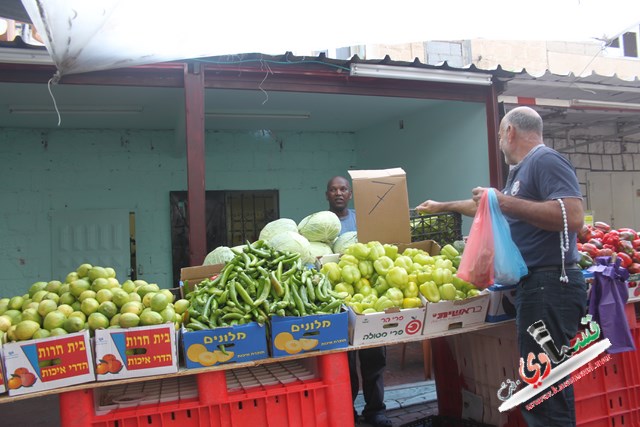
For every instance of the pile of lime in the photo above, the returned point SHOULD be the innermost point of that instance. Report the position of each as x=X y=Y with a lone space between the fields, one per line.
x=90 y=298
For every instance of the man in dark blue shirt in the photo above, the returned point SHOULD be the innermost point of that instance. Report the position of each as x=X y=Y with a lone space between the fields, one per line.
x=372 y=360
x=543 y=204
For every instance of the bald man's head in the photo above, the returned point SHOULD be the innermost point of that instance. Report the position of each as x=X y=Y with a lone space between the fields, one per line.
x=525 y=119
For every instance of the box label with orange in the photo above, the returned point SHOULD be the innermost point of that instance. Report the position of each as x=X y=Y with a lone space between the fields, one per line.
x=135 y=352
x=48 y=363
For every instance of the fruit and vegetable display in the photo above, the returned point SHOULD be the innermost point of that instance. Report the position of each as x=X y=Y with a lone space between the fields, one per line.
x=258 y=283
x=90 y=298
x=377 y=277
x=600 y=239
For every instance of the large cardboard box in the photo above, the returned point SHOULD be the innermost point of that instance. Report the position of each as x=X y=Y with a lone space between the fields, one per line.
x=382 y=205
x=293 y=335
x=135 y=352
x=385 y=327
x=48 y=363
x=446 y=315
x=389 y=326
x=502 y=303
x=240 y=343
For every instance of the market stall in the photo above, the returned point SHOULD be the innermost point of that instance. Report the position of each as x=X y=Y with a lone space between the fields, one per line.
x=447 y=117
x=266 y=305
x=219 y=367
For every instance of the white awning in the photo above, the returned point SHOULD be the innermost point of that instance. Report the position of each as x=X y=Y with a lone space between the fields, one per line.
x=89 y=35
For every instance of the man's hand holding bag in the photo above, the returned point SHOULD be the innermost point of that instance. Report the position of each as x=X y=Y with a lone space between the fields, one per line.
x=490 y=255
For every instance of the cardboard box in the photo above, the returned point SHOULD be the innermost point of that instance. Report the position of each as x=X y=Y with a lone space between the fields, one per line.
x=240 y=343
x=385 y=327
x=429 y=246
x=382 y=205
x=191 y=276
x=327 y=258
x=48 y=363
x=632 y=283
x=388 y=326
x=502 y=303
x=446 y=315
x=308 y=333
x=135 y=352
x=3 y=387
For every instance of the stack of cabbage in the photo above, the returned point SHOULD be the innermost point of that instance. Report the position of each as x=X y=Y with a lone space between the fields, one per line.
x=311 y=238
x=316 y=235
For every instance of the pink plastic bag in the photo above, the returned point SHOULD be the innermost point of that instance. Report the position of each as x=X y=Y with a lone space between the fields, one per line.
x=476 y=265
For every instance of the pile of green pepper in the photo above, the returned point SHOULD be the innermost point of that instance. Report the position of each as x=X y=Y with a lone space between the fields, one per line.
x=376 y=277
x=256 y=284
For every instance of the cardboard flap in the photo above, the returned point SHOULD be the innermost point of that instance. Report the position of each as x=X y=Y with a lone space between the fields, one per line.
x=194 y=275
x=429 y=246
x=382 y=205
x=376 y=173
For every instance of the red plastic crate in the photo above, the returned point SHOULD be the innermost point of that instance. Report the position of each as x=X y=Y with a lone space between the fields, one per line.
x=611 y=409
x=324 y=401
x=617 y=374
x=610 y=395
x=632 y=316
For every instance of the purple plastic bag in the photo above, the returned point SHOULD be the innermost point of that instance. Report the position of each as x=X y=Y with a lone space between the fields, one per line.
x=607 y=300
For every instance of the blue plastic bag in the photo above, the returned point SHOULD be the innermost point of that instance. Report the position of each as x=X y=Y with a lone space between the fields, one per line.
x=508 y=264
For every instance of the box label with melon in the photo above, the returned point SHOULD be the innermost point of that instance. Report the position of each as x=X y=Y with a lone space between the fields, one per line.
x=135 y=352
x=292 y=335
x=238 y=343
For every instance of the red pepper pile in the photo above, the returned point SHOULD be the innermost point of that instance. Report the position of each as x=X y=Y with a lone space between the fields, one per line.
x=601 y=240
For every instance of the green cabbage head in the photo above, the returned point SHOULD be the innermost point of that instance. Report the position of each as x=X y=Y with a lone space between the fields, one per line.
x=344 y=241
x=294 y=242
x=220 y=255
x=276 y=227
x=319 y=249
x=323 y=226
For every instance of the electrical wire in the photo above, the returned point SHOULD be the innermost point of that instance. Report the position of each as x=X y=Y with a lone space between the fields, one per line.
x=54 y=80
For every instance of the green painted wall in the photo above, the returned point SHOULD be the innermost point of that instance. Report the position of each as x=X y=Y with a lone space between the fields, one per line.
x=297 y=164
x=48 y=171
x=443 y=150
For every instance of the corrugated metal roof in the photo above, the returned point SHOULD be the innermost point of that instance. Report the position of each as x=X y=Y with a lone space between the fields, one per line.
x=592 y=108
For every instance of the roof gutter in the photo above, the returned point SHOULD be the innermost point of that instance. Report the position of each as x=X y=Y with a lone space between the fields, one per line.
x=574 y=104
x=25 y=56
x=413 y=73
